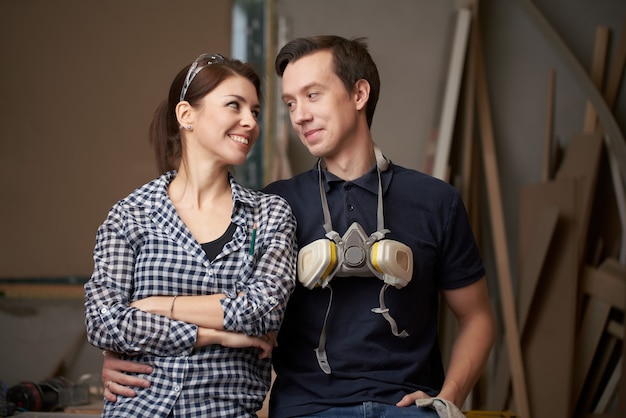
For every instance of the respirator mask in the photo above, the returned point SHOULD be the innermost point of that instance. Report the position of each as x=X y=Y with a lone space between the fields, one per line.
x=355 y=254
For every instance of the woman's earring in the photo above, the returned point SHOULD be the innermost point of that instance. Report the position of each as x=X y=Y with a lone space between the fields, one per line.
x=189 y=128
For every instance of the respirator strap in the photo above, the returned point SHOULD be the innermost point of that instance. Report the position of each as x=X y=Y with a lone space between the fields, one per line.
x=382 y=309
x=320 y=351
x=328 y=226
x=381 y=165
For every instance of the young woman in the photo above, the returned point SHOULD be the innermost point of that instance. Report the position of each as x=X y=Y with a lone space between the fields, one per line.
x=192 y=270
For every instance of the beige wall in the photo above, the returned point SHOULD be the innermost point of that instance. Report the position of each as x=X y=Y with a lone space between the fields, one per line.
x=410 y=42
x=79 y=81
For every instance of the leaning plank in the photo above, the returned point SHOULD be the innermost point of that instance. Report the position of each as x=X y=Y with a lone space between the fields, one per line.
x=606 y=288
x=616 y=72
x=604 y=284
x=596 y=381
x=451 y=96
x=549 y=334
x=469 y=92
x=533 y=262
x=503 y=266
x=549 y=133
x=620 y=198
x=614 y=138
x=582 y=161
x=532 y=265
x=610 y=389
x=597 y=75
x=608 y=285
x=590 y=332
x=615 y=329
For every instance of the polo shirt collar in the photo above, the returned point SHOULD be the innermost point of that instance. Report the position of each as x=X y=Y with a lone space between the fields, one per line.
x=368 y=181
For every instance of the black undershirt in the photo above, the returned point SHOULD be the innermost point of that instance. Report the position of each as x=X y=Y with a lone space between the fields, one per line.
x=213 y=248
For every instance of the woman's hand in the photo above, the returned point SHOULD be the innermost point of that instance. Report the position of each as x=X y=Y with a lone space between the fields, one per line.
x=154 y=304
x=265 y=343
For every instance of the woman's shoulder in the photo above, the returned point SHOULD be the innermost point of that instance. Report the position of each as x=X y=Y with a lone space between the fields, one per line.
x=147 y=193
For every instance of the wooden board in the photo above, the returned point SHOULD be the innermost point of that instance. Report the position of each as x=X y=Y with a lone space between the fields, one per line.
x=503 y=266
x=531 y=268
x=591 y=330
x=582 y=161
x=615 y=139
x=451 y=96
x=597 y=75
x=532 y=263
x=616 y=72
x=549 y=334
x=549 y=132
x=469 y=113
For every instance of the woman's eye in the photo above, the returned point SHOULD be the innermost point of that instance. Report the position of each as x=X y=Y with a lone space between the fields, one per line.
x=234 y=105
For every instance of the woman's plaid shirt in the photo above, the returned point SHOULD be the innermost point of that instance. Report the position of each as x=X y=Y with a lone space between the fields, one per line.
x=144 y=249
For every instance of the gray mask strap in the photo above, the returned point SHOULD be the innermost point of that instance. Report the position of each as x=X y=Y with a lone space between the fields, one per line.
x=328 y=224
x=381 y=165
x=384 y=311
x=320 y=351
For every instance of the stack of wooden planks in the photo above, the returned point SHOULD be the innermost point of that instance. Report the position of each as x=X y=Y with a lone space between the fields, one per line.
x=562 y=346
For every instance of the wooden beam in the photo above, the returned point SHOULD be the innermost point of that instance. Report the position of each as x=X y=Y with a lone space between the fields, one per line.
x=549 y=332
x=597 y=75
x=469 y=110
x=499 y=237
x=605 y=285
x=610 y=388
x=614 y=138
x=451 y=96
x=549 y=133
x=616 y=72
x=531 y=268
x=42 y=291
x=590 y=332
x=532 y=263
x=582 y=161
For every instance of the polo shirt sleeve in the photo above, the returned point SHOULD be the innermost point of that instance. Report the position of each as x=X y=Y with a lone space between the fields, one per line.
x=461 y=263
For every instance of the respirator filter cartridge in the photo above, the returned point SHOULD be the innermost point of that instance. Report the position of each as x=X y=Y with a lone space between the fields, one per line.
x=394 y=260
x=316 y=262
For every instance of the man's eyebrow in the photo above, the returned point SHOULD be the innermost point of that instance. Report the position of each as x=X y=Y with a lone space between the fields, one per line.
x=303 y=88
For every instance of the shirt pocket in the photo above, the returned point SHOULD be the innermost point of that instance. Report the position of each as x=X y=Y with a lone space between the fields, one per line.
x=244 y=274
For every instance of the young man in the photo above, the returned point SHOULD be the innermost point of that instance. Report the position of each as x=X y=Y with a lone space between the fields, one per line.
x=360 y=331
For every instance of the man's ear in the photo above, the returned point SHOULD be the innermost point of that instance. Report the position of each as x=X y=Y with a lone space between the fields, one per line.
x=184 y=113
x=362 y=93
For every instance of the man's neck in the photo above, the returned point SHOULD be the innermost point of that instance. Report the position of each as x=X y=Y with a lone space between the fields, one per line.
x=352 y=163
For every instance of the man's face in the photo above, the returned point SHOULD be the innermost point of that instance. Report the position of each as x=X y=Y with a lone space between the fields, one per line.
x=321 y=110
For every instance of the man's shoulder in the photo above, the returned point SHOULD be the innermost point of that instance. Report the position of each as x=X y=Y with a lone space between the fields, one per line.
x=408 y=177
x=292 y=185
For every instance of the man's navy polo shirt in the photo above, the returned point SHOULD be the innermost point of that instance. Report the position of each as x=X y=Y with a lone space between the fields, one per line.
x=368 y=362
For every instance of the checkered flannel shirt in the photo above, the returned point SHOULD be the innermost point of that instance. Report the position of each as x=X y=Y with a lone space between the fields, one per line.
x=144 y=249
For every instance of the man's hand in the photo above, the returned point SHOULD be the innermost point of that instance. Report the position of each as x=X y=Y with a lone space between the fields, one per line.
x=116 y=382
x=409 y=400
